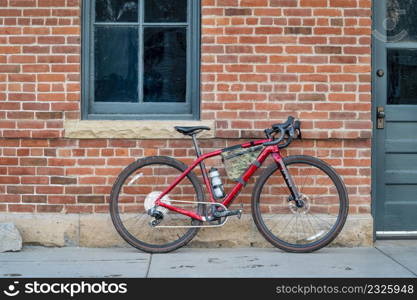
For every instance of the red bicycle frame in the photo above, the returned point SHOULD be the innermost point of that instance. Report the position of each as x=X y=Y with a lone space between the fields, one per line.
x=274 y=150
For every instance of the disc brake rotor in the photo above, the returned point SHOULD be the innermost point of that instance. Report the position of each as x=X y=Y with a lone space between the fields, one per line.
x=300 y=210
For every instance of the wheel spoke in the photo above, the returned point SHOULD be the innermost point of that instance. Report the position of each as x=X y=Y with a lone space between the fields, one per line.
x=306 y=177
x=303 y=228
x=296 y=227
x=320 y=219
x=135 y=218
x=285 y=227
x=311 y=225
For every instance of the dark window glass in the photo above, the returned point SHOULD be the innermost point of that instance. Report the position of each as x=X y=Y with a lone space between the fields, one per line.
x=140 y=59
x=402 y=80
x=165 y=11
x=116 y=10
x=165 y=64
x=401 y=21
x=116 y=64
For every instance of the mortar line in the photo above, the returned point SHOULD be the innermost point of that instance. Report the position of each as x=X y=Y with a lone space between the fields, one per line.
x=149 y=266
x=396 y=261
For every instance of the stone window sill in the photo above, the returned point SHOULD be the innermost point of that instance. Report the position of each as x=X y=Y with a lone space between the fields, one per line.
x=132 y=129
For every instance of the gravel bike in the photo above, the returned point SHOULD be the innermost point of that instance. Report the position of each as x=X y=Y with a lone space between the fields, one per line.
x=299 y=203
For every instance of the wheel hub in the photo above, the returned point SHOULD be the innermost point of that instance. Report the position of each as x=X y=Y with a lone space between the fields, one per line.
x=151 y=199
x=300 y=209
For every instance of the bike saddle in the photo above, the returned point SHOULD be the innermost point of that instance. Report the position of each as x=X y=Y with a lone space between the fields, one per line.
x=191 y=130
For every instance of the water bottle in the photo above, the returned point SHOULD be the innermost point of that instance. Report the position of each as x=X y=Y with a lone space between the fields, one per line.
x=216 y=183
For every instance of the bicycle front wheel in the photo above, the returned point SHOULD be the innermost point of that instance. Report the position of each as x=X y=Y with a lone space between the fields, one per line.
x=317 y=222
x=135 y=192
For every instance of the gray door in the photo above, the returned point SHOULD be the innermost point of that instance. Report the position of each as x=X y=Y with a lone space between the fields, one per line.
x=395 y=133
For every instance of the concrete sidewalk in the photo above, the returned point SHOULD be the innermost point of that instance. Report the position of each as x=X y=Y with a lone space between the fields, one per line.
x=385 y=259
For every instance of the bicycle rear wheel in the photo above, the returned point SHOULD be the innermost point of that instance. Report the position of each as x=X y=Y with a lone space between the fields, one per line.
x=300 y=229
x=135 y=192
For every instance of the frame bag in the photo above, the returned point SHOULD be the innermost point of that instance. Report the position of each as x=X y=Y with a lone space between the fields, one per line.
x=237 y=161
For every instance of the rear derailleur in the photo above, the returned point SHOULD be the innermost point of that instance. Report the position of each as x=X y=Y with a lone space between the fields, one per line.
x=157 y=215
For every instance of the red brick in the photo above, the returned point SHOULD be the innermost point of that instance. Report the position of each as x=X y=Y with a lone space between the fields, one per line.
x=23 y=208
x=261 y=61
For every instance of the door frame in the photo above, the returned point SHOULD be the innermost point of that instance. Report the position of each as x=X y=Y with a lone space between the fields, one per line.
x=378 y=60
x=377 y=13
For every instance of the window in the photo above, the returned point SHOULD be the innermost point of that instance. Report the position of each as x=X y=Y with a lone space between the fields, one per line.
x=141 y=59
x=402 y=67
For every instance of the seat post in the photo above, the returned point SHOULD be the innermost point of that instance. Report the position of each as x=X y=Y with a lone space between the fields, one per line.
x=196 y=146
x=198 y=153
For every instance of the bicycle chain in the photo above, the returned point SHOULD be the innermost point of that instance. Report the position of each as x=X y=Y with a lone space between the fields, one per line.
x=196 y=226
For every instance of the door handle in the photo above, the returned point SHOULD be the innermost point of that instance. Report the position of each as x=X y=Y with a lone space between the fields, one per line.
x=380 y=117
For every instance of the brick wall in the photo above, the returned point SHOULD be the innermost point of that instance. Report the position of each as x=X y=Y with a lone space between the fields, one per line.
x=261 y=61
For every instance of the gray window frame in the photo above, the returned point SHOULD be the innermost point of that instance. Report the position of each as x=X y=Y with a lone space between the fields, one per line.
x=190 y=110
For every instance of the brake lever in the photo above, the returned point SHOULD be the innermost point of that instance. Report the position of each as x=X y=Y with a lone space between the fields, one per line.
x=293 y=128
x=275 y=142
x=297 y=126
x=268 y=133
x=291 y=132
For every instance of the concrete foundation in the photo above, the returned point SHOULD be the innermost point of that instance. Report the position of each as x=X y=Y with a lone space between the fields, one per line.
x=96 y=230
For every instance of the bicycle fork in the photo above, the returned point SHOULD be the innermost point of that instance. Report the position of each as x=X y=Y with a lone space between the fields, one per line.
x=295 y=193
